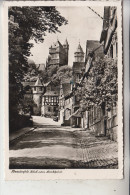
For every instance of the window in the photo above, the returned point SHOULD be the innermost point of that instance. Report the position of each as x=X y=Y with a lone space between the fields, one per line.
x=34 y=88
x=54 y=99
x=55 y=109
x=49 y=109
x=46 y=99
x=40 y=88
x=51 y=99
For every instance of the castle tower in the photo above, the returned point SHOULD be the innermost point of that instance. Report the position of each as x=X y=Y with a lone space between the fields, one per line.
x=78 y=64
x=58 y=54
x=38 y=90
x=79 y=54
x=66 y=47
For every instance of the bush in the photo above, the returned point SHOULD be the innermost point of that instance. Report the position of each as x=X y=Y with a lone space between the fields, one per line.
x=18 y=122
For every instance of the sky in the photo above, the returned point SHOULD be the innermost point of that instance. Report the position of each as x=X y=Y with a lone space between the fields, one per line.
x=82 y=25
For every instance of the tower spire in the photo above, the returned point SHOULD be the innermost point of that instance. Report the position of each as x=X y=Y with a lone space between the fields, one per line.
x=79 y=54
x=66 y=42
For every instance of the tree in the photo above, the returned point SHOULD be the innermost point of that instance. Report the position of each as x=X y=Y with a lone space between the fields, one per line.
x=33 y=71
x=57 y=74
x=101 y=86
x=64 y=73
x=26 y=23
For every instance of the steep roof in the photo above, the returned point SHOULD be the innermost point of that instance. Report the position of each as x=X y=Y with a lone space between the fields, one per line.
x=51 y=93
x=56 y=44
x=38 y=82
x=66 y=42
x=66 y=88
x=92 y=45
x=106 y=17
x=79 y=49
x=105 y=24
x=46 y=84
x=108 y=27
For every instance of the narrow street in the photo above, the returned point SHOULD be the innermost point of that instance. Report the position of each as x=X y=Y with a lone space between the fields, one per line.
x=50 y=145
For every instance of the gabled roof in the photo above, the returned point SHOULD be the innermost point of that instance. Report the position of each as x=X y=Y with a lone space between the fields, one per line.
x=46 y=84
x=56 y=44
x=49 y=83
x=51 y=93
x=91 y=45
x=38 y=82
x=66 y=88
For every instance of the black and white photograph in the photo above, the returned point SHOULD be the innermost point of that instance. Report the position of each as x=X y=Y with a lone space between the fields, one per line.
x=65 y=110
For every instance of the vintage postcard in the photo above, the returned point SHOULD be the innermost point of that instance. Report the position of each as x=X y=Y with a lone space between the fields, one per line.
x=63 y=90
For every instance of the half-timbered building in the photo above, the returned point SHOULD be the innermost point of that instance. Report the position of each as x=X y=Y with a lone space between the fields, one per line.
x=50 y=101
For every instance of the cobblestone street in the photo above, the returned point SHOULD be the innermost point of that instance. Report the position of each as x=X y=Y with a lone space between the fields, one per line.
x=51 y=146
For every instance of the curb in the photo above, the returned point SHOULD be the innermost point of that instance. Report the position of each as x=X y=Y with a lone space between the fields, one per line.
x=20 y=136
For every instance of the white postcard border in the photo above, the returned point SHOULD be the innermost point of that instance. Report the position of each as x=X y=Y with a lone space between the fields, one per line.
x=51 y=174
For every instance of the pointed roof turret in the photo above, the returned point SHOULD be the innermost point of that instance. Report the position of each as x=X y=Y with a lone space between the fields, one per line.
x=56 y=44
x=50 y=47
x=66 y=42
x=79 y=49
x=38 y=82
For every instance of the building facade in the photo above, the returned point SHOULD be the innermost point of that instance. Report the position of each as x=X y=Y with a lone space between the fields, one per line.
x=78 y=70
x=101 y=120
x=65 y=103
x=33 y=95
x=50 y=101
x=110 y=41
x=78 y=64
x=38 y=90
